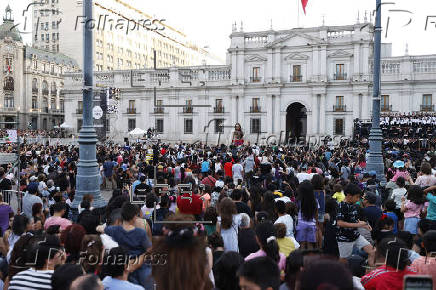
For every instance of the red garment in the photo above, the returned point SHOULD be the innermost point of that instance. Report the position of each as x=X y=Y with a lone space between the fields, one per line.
x=163 y=151
x=385 y=278
x=304 y=3
x=209 y=181
x=190 y=204
x=228 y=169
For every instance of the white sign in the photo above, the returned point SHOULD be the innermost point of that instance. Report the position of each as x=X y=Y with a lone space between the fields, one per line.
x=6 y=158
x=97 y=112
x=12 y=134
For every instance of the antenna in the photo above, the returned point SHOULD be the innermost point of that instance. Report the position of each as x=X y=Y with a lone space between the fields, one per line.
x=323 y=20
x=358 y=16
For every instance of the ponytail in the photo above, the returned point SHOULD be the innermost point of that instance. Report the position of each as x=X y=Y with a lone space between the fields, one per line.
x=272 y=249
x=266 y=234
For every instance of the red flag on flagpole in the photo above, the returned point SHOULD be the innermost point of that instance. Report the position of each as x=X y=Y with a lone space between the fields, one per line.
x=304 y=3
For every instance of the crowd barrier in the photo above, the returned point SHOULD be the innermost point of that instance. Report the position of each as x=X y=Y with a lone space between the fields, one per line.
x=14 y=198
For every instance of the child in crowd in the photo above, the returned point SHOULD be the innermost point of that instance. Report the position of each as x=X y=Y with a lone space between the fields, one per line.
x=413 y=208
x=339 y=193
x=390 y=212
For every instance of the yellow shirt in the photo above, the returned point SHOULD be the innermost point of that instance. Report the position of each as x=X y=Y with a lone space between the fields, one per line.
x=339 y=196
x=286 y=246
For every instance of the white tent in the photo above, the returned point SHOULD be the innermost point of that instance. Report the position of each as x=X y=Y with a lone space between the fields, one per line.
x=137 y=132
x=65 y=126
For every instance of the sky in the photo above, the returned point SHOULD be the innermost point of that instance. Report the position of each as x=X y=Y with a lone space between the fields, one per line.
x=209 y=23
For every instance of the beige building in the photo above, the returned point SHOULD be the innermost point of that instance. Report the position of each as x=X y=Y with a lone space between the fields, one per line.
x=45 y=25
x=32 y=81
x=124 y=37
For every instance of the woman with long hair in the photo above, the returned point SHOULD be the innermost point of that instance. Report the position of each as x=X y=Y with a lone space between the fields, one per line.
x=413 y=208
x=183 y=254
x=237 y=137
x=307 y=214
x=318 y=186
x=228 y=224
x=267 y=240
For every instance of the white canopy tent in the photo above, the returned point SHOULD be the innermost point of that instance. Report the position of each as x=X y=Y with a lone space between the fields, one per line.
x=137 y=132
x=65 y=126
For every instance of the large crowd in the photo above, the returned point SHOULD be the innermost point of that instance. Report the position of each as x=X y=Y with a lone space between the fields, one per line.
x=191 y=216
x=411 y=132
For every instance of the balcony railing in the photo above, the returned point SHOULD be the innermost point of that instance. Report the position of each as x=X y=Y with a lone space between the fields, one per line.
x=79 y=111
x=9 y=109
x=158 y=110
x=295 y=79
x=8 y=87
x=57 y=111
x=254 y=109
x=34 y=90
x=188 y=110
x=427 y=108
x=53 y=93
x=45 y=92
x=386 y=108
x=339 y=108
x=131 y=110
x=255 y=79
x=219 y=109
x=35 y=110
x=340 y=77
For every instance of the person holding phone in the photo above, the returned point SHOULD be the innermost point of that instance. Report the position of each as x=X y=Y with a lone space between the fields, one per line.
x=425 y=265
x=391 y=274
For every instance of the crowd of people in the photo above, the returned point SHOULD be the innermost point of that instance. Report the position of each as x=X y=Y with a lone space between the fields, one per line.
x=411 y=131
x=191 y=216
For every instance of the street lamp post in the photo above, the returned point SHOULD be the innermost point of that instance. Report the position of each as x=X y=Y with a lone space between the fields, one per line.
x=88 y=177
x=375 y=157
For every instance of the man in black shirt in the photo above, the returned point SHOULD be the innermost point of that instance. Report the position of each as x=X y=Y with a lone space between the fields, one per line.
x=348 y=222
x=241 y=206
x=142 y=189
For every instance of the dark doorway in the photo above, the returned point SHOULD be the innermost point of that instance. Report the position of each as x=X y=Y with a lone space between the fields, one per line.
x=296 y=121
x=9 y=120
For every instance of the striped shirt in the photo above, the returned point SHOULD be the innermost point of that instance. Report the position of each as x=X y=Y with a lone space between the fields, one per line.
x=31 y=280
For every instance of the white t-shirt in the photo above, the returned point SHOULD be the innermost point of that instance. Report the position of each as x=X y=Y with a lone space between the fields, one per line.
x=108 y=242
x=397 y=194
x=237 y=171
x=288 y=222
x=302 y=176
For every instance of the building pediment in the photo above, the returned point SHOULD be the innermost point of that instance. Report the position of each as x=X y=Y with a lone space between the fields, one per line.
x=340 y=54
x=255 y=58
x=294 y=39
x=296 y=56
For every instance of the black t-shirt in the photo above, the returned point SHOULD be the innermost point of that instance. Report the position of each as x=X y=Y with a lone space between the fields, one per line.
x=5 y=184
x=242 y=207
x=247 y=242
x=348 y=213
x=142 y=189
x=373 y=214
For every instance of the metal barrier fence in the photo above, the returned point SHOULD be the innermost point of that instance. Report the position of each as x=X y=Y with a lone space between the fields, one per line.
x=14 y=198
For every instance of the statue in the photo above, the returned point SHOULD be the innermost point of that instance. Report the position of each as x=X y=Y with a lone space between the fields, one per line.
x=238 y=135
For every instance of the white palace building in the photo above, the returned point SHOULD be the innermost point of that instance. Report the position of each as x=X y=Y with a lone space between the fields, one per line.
x=302 y=81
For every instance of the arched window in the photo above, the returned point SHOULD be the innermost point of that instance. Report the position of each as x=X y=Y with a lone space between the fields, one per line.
x=8 y=84
x=44 y=88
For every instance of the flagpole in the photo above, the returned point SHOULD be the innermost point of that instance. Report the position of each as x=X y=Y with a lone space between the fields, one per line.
x=298 y=14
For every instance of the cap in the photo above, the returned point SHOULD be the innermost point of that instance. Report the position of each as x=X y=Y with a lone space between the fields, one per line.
x=372 y=173
x=370 y=197
x=32 y=188
x=33 y=178
x=398 y=164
